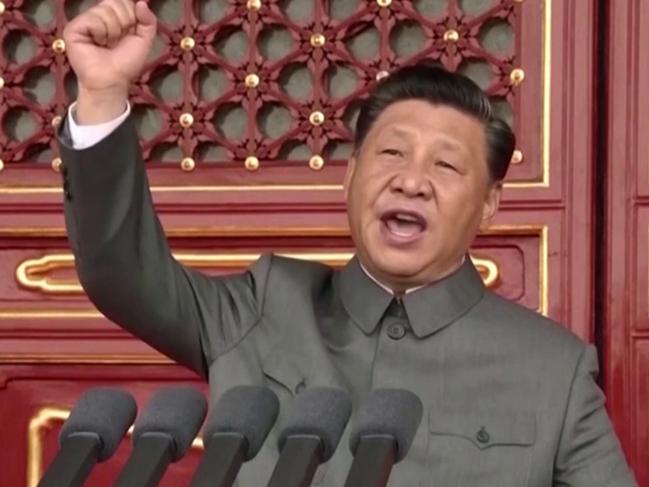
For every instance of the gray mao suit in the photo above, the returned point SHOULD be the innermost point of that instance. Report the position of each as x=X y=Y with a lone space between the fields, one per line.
x=510 y=398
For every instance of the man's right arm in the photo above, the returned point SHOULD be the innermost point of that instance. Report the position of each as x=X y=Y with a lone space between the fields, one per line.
x=121 y=254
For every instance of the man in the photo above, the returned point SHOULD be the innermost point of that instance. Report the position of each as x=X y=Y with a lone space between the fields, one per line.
x=510 y=397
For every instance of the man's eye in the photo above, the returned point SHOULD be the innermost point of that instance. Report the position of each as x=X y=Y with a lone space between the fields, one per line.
x=446 y=165
x=392 y=152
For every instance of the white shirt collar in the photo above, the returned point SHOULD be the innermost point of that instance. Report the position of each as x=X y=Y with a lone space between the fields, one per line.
x=390 y=291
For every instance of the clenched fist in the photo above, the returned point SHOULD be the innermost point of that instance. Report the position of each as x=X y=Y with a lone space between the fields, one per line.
x=107 y=46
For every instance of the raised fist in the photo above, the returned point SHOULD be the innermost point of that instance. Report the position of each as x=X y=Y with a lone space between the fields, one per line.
x=108 y=45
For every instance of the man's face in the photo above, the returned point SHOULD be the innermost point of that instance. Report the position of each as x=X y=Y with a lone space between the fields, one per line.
x=418 y=191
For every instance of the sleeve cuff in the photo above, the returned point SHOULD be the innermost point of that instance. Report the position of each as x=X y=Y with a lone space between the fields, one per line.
x=84 y=136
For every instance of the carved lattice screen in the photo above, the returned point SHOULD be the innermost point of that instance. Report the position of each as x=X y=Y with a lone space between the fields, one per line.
x=273 y=82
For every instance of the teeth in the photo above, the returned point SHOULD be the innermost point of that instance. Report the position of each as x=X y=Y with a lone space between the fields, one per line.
x=406 y=217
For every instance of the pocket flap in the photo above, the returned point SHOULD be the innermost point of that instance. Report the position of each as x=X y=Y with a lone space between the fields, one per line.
x=282 y=369
x=485 y=428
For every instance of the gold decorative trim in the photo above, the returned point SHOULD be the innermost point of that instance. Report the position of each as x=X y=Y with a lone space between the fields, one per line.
x=32 y=273
x=43 y=421
x=19 y=358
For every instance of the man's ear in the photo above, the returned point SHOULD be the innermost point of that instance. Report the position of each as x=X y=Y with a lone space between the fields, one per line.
x=351 y=167
x=490 y=205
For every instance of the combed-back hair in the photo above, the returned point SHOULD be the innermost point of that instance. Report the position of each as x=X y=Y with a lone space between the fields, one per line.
x=434 y=84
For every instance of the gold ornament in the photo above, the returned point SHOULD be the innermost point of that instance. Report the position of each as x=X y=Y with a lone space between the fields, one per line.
x=58 y=46
x=517 y=157
x=318 y=40
x=252 y=80
x=251 y=163
x=316 y=118
x=187 y=164
x=451 y=35
x=186 y=120
x=517 y=76
x=316 y=162
x=56 y=164
x=187 y=43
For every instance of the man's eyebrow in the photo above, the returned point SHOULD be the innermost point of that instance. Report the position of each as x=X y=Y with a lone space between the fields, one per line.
x=392 y=130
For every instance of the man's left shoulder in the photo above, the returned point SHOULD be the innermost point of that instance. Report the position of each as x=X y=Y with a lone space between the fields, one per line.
x=519 y=326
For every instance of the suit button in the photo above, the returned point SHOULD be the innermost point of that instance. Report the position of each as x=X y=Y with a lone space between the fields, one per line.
x=396 y=332
x=300 y=387
x=482 y=436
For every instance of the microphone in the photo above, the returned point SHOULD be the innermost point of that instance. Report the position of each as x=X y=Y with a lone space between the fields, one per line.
x=91 y=434
x=310 y=435
x=162 y=434
x=238 y=427
x=386 y=425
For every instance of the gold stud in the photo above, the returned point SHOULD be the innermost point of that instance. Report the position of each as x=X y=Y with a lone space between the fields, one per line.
x=451 y=35
x=187 y=164
x=56 y=164
x=251 y=163
x=2 y=82
x=382 y=74
x=252 y=80
x=186 y=120
x=187 y=43
x=517 y=157
x=316 y=118
x=2 y=165
x=58 y=46
x=517 y=76
x=253 y=4
x=2 y=8
x=56 y=121
x=384 y=3
x=316 y=162
x=318 y=40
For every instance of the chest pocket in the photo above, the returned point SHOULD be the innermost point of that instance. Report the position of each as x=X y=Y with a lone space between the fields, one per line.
x=480 y=447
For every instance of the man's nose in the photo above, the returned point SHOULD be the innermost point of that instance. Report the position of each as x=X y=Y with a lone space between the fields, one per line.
x=413 y=182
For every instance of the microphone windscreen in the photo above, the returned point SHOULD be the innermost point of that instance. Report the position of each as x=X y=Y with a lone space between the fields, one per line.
x=248 y=410
x=106 y=412
x=391 y=412
x=321 y=412
x=177 y=412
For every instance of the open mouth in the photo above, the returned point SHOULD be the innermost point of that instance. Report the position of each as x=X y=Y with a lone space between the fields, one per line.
x=404 y=224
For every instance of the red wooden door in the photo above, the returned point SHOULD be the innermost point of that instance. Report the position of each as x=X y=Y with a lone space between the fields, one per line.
x=625 y=296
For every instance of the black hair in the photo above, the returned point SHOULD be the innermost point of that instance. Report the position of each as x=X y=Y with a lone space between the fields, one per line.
x=434 y=84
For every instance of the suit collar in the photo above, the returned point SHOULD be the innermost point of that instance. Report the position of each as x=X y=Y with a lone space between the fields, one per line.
x=429 y=309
